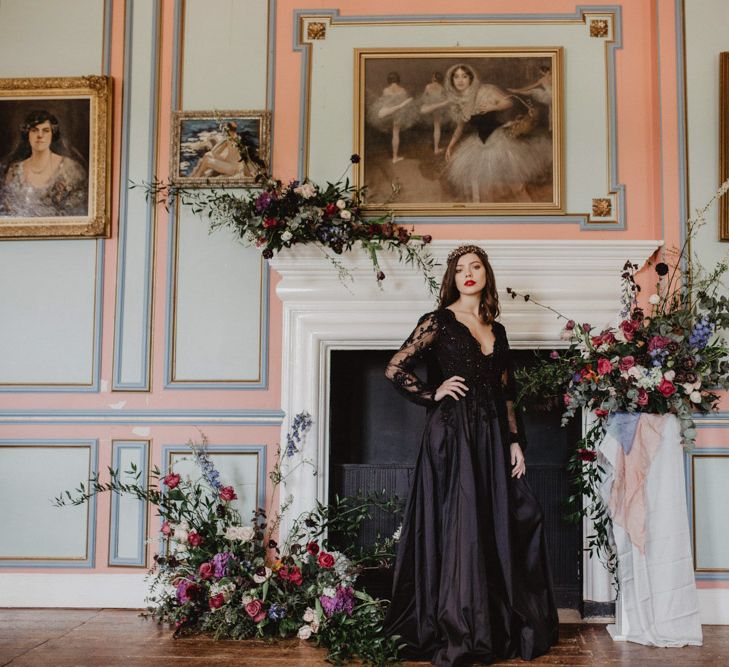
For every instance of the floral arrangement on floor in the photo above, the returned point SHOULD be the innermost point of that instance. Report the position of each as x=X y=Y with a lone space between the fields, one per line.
x=221 y=575
x=667 y=357
x=280 y=215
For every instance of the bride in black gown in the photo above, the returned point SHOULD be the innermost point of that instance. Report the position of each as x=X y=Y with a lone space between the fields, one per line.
x=471 y=581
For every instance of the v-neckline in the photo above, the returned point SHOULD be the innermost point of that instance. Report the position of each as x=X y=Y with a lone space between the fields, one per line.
x=473 y=338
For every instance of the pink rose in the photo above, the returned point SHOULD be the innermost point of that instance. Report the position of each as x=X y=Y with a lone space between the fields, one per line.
x=587 y=327
x=570 y=325
x=216 y=601
x=171 y=481
x=667 y=388
x=325 y=560
x=642 y=397
x=194 y=539
x=554 y=354
x=227 y=493
x=626 y=363
x=165 y=530
x=604 y=366
x=628 y=328
x=567 y=399
x=254 y=608
x=206 y=571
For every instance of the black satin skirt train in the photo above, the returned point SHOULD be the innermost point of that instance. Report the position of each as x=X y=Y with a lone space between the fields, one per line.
x=471 y=581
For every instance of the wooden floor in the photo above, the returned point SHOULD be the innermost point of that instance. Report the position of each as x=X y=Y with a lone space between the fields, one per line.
x=116 y=638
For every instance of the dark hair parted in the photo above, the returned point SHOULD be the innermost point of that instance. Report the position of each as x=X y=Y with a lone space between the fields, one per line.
x=36 y=118
x=393 y=77
x=489 y=304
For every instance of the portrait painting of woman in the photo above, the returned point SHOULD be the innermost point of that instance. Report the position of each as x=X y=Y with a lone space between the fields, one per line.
x=478 y=128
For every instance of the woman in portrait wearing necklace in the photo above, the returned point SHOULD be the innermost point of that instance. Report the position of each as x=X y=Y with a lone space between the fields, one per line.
x=471 y=580
x=40 y=178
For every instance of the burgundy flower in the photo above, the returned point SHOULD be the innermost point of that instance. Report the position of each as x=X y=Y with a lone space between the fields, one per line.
x=587 y=327
x=330 y=209
x=227 y=493
x=295 y=576
x=642 y=397
x=380 y=275
x=354 y=158
x=270 y=222
x=661 y=268
x=325 y=560
x=626 y=363
x=601 y=413
x=604 y=366
x=194 y=539
x=388 y=230
x=312 y=548
x=554 y=354
x=427 y=238
x=570 y=325
x=267 y=253
x=171 y=480
x=587 y=454
x=206 y=571
x=216 y=601
x=283 y=573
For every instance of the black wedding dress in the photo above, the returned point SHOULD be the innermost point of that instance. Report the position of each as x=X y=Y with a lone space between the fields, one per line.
x=471 y=581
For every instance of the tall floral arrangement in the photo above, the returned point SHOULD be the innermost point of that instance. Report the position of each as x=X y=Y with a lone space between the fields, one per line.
x=232 y=578
x=666 y=356
x=278 y=215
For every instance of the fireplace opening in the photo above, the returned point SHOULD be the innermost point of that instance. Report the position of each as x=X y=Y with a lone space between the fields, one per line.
x=374 y=436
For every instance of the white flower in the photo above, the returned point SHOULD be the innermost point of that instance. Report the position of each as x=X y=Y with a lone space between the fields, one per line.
x=304 y=632
x=309 y=615
x=654 y=299
x=286 y=236
x=181 y=531
x=242 y=533
x=306 y=190
x=260 y=578
x=315 y=625
x=669 y=375
x=341 y=204
x=246 y=599
x=695 y=397
x=329 y=592
x=345 y=215
x=396 y=534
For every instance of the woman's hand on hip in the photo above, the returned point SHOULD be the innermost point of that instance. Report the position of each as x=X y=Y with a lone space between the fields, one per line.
x=518 y=465
x=453 y=386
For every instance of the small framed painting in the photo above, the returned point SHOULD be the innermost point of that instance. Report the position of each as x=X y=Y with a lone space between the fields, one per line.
x=472 y=131
x=219 y=148
x=55 y=157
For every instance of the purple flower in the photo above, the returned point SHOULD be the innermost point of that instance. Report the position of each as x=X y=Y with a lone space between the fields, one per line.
x=554 y=354
x=220 y=561
x=342 y=601
x=262 y=202
x=182 y=592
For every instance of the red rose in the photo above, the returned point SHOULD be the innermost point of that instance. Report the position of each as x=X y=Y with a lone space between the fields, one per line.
x=312 y=548
x=628 y=328
x=165 y=530
x=227 y=493
x=283 y=572
x=642 y=397
x=295 y=576
x=626 y=363
x=325 y=560
x=602 y=413
x=254 y=608
x=667 y=388
x=331 y=209
x=206 y=571
x=269 y=222
x=171 y=481
x=596 y=341
x=216 y=601
x=587 y=454
x=194 y=539
x=604 y=366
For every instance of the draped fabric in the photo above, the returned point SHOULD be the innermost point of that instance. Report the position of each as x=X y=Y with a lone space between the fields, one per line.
x=646 y=499
x=471 y=579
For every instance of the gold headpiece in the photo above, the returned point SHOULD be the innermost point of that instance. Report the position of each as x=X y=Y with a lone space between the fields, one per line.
x=464 y=249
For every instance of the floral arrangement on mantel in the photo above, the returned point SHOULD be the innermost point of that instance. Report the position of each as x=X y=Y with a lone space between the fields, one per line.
x=667 y=357
x=279 y=215
x=230 y=578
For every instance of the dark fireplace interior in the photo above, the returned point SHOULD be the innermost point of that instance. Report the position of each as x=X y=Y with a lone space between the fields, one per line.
x=374 y=438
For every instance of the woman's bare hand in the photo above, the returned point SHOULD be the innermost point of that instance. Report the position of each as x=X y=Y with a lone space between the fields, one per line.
x=517 y=461
x=453 y=386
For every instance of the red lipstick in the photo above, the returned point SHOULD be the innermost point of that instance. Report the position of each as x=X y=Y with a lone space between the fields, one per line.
x=468 y=283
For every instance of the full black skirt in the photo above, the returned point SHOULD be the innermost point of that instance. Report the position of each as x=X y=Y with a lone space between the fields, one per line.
x=471 y=581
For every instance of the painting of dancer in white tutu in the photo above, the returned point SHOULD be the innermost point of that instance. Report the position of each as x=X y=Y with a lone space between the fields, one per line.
x=478 y=129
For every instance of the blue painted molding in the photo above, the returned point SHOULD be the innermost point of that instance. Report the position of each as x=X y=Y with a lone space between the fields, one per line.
x=106 y=54
x=181 y=417
x=143 y=382
x=117 y=448
x=613 y=185
x=89 y=561
x=688 y=470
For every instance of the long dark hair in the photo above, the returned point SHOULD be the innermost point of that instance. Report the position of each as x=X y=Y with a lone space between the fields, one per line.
x=489 y=304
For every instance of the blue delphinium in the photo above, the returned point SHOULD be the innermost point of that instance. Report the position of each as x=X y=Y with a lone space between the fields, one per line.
x=211 y=475
x=701 y=333
x=299 y=427
x=277 y=612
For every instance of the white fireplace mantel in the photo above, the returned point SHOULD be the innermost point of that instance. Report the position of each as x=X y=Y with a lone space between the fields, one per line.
x=580 y=279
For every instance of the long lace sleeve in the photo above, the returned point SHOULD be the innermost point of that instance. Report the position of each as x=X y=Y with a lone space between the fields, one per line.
x=400 y=368
x=510 y=391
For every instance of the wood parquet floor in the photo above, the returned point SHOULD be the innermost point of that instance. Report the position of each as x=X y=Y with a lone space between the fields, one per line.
x=120 y=638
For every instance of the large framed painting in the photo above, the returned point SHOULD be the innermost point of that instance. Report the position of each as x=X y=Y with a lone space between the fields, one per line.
x=55 y=157
x=724 y=142
x=219 y=148
x=466 y=131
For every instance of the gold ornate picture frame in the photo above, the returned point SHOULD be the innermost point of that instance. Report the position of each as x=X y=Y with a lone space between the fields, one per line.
x=55 y=157
x=723 y=142
x=206 y=148
x=475 y=131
